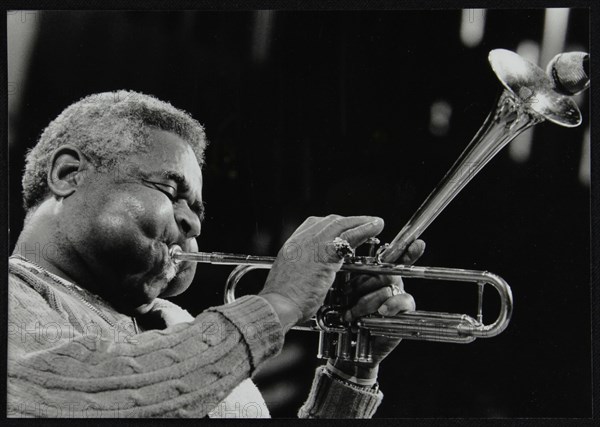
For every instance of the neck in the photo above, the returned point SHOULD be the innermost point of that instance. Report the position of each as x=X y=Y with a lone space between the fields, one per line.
x=42 y=243
x=45 y=242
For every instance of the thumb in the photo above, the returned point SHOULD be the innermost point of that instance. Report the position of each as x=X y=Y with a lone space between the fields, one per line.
x=413 y=253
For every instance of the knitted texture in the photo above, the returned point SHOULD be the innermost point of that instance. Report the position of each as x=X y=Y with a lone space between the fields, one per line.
x=331 y=398
x=245 y=401
x=64 y=360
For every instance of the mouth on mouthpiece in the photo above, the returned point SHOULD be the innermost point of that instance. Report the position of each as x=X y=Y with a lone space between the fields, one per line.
x=173 y=251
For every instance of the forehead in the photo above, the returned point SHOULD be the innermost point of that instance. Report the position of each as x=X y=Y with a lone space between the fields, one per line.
x=167 y=151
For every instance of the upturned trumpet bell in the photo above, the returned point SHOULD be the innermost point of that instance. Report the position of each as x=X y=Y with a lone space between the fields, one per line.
x=529 y=96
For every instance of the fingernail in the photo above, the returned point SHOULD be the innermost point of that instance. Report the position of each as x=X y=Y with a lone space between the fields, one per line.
x=376 y=222
x=347 y=316
x=383 y=310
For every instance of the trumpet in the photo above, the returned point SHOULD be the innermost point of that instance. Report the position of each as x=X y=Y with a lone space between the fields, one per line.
x=529 y=96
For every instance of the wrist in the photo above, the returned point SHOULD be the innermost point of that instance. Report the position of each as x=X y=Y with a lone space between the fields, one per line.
x=287 y=312
x=360 y=372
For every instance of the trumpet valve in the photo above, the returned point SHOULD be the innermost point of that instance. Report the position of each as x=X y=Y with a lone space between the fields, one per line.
x=380 y=251
x=345 y=346
x=327 y=345
x=362 y=352
x=372 y=244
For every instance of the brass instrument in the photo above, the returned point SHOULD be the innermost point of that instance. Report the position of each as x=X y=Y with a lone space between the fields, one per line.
x=529 y=97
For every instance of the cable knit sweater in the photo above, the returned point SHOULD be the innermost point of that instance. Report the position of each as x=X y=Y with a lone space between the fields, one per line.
x=70 y=354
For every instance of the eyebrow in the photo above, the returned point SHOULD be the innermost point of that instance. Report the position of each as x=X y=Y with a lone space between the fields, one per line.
x=183 y=186
x=179 y=179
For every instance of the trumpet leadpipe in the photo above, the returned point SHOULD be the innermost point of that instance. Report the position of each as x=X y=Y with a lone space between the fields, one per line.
x=218 y=258
x=432 y=326
x=529 y=97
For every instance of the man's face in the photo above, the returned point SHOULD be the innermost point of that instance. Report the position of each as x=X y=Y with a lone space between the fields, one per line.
x=123 y=222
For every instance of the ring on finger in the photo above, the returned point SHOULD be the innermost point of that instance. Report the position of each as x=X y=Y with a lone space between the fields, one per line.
x=396 y=290
x=342 y=248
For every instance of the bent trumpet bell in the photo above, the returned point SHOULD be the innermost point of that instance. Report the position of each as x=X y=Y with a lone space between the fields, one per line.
x=530 y=96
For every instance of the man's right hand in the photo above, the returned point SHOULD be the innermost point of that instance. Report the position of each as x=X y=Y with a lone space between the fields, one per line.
x=306 y=265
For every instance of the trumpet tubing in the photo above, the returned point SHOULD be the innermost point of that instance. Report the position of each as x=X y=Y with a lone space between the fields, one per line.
x=347 y=341
x=529 y=96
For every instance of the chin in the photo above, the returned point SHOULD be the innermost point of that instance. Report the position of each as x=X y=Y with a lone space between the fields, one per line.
x=180 y=283
x=139 y=291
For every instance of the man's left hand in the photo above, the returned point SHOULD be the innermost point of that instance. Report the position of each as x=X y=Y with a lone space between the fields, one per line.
x=374 y=294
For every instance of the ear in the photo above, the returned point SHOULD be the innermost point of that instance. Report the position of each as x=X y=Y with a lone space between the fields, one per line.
x=67 y=167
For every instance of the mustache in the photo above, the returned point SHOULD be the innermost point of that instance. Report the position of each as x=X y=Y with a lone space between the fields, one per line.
x=171 y=266
x=170 y=271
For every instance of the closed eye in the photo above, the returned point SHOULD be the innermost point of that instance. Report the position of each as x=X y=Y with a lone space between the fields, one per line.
x=172 y=193
x=166 y=189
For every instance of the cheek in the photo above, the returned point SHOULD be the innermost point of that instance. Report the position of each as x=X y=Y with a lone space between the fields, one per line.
x=126 y=213
x=155 y=216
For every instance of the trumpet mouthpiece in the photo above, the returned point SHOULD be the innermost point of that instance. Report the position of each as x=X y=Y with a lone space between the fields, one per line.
x=570 y=72
x=173 y=251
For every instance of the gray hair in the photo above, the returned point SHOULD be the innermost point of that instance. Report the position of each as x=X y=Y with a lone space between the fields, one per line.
x=106 y=127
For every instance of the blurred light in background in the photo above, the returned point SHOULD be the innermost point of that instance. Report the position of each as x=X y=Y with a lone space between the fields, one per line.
x=555 y=33
x=21 y=29
x=280 y=394
x=520 y=148
x=261 y=241
x=303 y=169
x=472 y=26
x=584 y=165
x=281 y=388
x=263 y=28
x=439 y=122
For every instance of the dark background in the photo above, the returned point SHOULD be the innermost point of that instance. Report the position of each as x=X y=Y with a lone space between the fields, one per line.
x=330 y=113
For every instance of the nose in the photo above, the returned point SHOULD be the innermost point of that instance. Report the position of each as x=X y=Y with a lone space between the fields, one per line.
x=188 y=221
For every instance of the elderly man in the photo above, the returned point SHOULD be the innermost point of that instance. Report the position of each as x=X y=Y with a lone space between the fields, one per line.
x=113 y=183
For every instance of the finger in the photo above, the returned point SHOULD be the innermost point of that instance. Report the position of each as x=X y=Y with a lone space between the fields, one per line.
x=310 y=222
x=356 y=232
x=365 y=284
x=368 y=304
x=397 y=304
x=413 y=253
x=355 y=282
x=335 y=225
x=327 y=249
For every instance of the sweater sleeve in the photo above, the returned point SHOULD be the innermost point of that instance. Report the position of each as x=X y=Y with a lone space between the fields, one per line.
x=182 y=371
x=330 y=397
